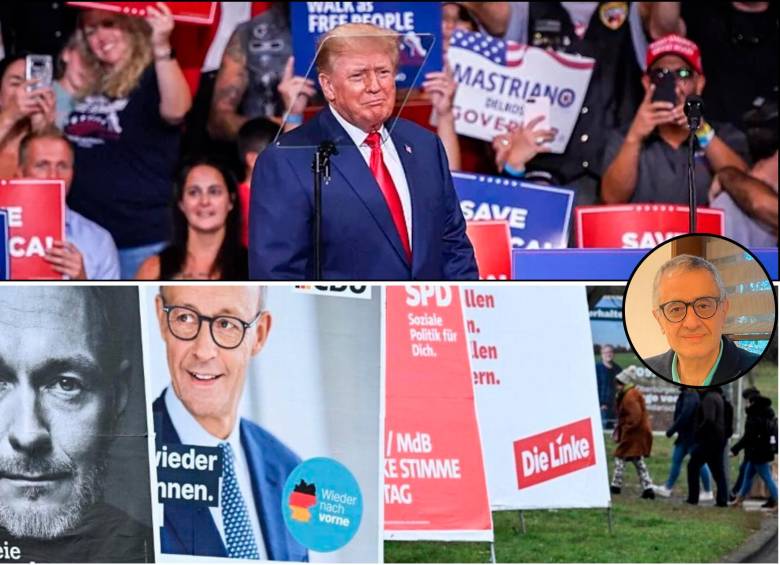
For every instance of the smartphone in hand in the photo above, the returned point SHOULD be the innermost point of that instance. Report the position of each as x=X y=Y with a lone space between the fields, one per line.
x=39 y=68
x=665 y=88
x=535 y=107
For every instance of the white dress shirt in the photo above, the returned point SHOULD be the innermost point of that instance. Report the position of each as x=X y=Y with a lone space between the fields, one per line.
x=192 y=433
x=392 y=162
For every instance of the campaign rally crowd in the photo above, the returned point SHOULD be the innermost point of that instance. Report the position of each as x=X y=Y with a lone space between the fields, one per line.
x=154 y=125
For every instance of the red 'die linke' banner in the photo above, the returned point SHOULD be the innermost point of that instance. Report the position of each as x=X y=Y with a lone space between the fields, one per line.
x=640 y=226
x=36 y=218
x=434 y=474
x=492 y=247
x=190 y=12
x=554 y=453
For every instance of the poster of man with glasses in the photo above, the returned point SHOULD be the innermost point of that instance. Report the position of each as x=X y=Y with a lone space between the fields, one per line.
x=242 y=406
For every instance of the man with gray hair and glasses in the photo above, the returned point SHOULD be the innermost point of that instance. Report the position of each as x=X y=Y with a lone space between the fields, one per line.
x=690 y=305
x=211 y=335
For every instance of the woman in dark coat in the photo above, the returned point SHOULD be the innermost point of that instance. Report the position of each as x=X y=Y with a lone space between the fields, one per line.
x=633 y=433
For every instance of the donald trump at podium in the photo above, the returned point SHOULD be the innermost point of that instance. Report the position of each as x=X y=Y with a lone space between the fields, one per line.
x=389 y=211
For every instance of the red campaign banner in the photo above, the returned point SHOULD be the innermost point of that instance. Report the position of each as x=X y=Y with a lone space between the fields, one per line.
x=492 y=243
x=435 y=485
x=201 y=13
x=554 y=453
x=640 y=226
x=36 y=218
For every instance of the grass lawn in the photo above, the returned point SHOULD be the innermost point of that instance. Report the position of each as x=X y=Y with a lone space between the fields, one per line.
x=644 y=531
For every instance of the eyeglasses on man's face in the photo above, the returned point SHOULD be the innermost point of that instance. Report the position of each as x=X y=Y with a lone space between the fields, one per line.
x=227 y=331
x=675 y=311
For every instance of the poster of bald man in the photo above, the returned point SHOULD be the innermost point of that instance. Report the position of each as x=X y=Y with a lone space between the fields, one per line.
x=74 y=464
x=266 y=408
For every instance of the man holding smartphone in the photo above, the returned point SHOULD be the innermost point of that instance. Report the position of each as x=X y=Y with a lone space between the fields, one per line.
x=648 y=162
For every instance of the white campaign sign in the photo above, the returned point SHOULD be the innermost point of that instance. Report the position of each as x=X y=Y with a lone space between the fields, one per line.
x=496 y=77
x=535 y=384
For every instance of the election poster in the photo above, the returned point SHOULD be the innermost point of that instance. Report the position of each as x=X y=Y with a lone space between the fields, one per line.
x=538 y=410
x=418 y=25
x=201 y=13
x=606 y=323
x=267 y=401
x=640 y=226
x=36 y=219
x=434 y=477
x=5 y=267
x=74 y=475
x=346 y=291
x=495 y=79
x=538 y=215
x=492 y=248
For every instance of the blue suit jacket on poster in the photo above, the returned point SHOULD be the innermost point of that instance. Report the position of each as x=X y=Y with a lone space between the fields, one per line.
x=191 y=530
x=359 y=239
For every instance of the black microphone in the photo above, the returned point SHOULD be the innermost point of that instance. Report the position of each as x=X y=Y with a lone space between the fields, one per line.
x=693 y=108
x=326 y=149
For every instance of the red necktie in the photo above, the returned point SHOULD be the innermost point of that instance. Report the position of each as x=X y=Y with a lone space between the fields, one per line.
x=387 y=186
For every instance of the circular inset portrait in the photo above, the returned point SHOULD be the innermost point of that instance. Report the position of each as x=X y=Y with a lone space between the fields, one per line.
x=699 y=310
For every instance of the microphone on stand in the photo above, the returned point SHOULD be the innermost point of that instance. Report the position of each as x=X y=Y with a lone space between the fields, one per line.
x=321 y=168
x=693 y=108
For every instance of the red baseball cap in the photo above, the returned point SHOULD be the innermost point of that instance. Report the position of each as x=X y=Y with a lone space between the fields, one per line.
x=675 y=45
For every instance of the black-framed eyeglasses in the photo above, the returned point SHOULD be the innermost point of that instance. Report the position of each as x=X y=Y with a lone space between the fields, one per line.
x=227 y=331
x=675 y=311
x=680 y=74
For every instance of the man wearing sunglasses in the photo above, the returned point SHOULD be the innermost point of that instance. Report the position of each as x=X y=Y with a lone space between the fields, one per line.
x=211 y=334
x=648 y=161
x=690 y=305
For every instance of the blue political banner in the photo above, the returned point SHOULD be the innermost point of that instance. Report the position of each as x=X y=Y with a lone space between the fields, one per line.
x=538 y=215
x=418 y=23
x=575 y=264
x=5 y=267
x=596 y=264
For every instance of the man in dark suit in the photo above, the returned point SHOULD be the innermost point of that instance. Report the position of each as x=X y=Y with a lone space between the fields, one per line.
x=389 y=211
x=691 y=307
x=208 y=369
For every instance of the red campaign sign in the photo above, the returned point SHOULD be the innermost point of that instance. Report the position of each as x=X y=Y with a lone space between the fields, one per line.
x=36 y=218
x=493 y=248
x=554 y=453
x=640 y=226
x=435 y=486
x=190 y=12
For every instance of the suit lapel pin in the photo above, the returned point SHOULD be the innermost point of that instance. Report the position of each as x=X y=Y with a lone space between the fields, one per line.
x=408 y=149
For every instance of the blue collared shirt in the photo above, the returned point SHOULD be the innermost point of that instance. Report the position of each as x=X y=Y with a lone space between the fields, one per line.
x=708 y=380
x=97 y=248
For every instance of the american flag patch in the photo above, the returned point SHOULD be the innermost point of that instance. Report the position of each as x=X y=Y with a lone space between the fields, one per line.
x=498 y=51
